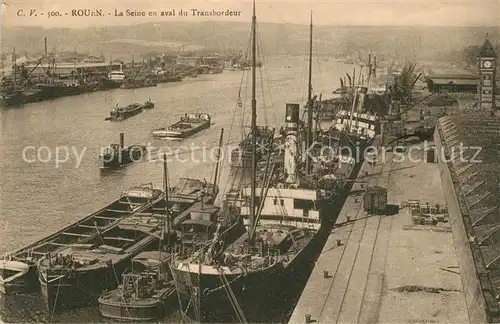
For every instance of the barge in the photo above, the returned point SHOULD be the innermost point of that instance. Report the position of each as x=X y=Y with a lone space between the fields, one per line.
x=18 y=269
x=188 y=125
x=122 y=113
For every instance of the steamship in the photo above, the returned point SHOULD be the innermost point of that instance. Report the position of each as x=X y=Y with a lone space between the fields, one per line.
x=293 y=218
x=288 y=215
x=355 y=129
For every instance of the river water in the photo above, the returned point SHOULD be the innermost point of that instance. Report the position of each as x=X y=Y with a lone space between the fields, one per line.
x=38 y=198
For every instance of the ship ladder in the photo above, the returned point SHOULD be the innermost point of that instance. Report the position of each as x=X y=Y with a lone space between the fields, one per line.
x=232 y=298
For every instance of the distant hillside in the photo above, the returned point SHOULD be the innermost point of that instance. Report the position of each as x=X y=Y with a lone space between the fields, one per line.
x=224 y=37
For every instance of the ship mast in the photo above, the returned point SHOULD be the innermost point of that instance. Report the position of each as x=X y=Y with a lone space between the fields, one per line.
x=309 y=100
x=254 y=126
x=15 y=68
x=167 y=214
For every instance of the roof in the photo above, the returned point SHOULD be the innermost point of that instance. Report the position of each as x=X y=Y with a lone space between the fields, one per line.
x=478 y=189
x=487 y=49
x=204 y=208
x=456 y=76
x=450 y=81
x=197 y=222
x=152 y=257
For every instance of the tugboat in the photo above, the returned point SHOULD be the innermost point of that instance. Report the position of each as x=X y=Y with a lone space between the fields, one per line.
x=188 y=125
x=148 y=104
x=122 y=113
x=146 y=292
x=18 y=269
x=117 y=155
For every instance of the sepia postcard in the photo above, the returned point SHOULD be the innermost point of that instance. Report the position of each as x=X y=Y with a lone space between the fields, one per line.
x=250 y=161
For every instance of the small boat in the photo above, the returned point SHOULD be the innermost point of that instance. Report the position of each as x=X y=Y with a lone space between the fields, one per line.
x=186 y=126
x=118 y=155
x=18 y=268
x=148 y=104
x=146 y=292
x=122 y=113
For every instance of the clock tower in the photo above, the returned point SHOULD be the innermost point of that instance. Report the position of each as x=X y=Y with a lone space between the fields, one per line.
x=487 y=74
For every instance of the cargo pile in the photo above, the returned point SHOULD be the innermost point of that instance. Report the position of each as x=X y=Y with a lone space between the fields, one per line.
x=427 y=213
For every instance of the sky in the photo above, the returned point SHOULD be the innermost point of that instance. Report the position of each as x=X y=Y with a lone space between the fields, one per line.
x=326 y=12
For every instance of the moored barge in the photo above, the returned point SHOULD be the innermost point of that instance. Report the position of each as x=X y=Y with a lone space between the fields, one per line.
x=18 y=268
x=77 y=275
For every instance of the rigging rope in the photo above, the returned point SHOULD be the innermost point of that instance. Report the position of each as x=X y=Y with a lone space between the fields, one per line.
x=264 y=65
x=232 y=298
x=57 y=295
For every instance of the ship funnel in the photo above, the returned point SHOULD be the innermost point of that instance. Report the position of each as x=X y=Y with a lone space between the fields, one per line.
x=291 y=151
x=362 y=91
x=122 y=140
x=292 y=114
x=374 y=66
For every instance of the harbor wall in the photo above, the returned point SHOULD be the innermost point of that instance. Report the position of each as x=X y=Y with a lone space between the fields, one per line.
x=472 y=289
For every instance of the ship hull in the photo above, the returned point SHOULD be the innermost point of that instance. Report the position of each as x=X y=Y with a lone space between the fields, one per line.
x=52 y=92
x=125 y=157
x=64 y=288
x=169 y=79
x=21 y=98
x=126 y=115
x=18 y=277
x=253 y=291
x=136 y=85
x=181 y=134
x=112 y=305
x=79 y=290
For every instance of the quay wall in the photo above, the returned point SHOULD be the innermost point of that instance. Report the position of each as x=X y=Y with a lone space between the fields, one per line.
x=472 y=289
